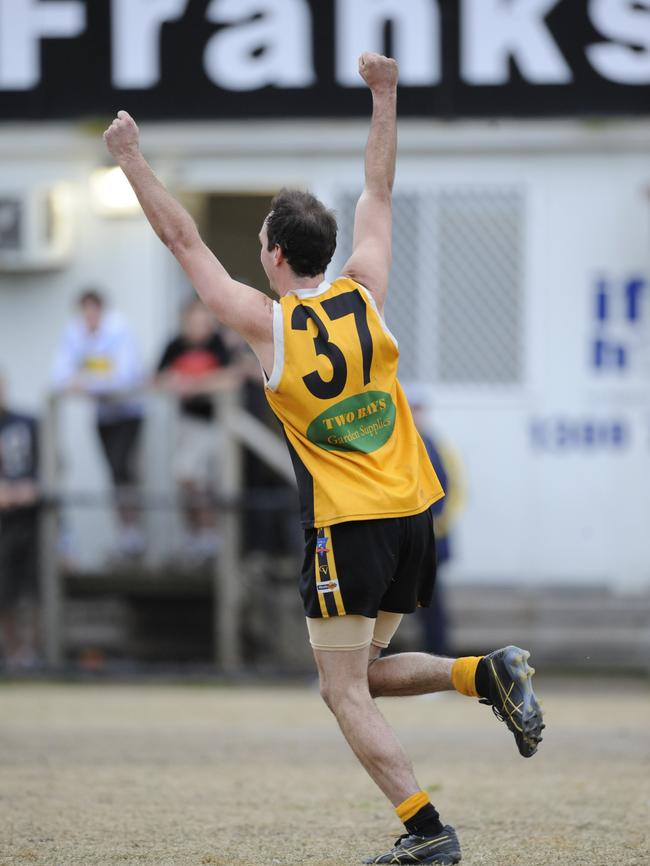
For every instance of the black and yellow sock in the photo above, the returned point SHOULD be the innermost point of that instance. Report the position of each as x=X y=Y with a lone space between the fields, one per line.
x=469 y=676
x=482 y=679
x=419 y=816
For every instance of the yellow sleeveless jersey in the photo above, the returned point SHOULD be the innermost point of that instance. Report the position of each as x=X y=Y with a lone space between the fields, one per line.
x=354 y=446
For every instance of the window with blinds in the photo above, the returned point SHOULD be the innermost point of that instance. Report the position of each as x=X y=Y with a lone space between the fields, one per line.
x=456 y=291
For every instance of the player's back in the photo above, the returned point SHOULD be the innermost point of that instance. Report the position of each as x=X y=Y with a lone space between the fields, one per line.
x=354 y=446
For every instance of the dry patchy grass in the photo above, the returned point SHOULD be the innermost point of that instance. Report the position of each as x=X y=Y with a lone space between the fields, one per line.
x=211 y=776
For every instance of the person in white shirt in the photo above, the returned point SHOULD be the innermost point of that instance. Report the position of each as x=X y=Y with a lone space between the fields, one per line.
x=98 y=356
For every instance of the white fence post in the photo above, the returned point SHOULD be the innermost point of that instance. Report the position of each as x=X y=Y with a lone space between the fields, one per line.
x=227 y=573
x=50 y=578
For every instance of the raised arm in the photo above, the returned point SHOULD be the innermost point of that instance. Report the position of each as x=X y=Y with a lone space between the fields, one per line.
x=370 y=261
x=238 y=306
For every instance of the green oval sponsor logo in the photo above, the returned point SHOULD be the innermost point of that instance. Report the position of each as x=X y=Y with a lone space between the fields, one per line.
x=364 y=423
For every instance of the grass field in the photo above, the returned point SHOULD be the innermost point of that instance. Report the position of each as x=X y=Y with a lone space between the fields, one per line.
x=212 y=776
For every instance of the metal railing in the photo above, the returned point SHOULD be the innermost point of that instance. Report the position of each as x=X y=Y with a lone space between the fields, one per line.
x=240 y=430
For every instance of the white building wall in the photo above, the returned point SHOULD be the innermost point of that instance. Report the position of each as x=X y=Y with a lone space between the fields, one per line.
x=540 y=514
x=121 y=258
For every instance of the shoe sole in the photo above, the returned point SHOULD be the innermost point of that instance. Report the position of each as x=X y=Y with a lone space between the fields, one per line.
x=442 y=860
x=449 y=859
x=515 y=660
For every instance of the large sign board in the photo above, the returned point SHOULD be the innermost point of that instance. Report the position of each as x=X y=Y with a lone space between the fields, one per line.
x=213 y=59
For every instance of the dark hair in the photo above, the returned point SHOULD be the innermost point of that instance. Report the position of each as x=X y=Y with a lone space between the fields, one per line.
x=91 y=296
x=304 y=229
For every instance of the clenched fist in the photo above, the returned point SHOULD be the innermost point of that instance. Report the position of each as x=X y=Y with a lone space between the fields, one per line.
x=122 y=136
x=377 y=71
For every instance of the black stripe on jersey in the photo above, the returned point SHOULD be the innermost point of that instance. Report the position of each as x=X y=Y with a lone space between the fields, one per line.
x=305 y=485
x=331 y=603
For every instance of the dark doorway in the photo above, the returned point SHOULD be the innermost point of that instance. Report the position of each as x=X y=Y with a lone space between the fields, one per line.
x=230 y=224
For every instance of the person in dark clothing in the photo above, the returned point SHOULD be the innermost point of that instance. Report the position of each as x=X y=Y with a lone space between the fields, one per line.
x=193 y=366
x=269 y=529
x=18 y=534
x=433 y=620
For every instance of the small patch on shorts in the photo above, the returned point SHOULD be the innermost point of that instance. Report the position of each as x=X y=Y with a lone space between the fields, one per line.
x=328 y=586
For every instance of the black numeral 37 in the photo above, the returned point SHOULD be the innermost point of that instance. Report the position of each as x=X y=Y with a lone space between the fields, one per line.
x=351 y=303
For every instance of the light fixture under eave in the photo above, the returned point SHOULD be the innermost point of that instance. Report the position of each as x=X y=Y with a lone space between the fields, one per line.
x=111 y=193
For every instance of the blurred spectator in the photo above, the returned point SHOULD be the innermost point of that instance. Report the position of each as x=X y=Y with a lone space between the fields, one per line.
x=98 y=356
x=273 y=528
x=18 y=535
x=433 y=620
x=192 y=368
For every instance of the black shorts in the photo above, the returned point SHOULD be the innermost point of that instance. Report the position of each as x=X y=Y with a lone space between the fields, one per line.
x=18 y=558
x=363 y=566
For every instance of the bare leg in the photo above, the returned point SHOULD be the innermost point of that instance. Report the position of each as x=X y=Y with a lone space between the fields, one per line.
x=408 y=674
x=128 y=516
x=130 y=539
x=194 y=512
x=201 y=540
x=344 y=687
x=20 y=644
